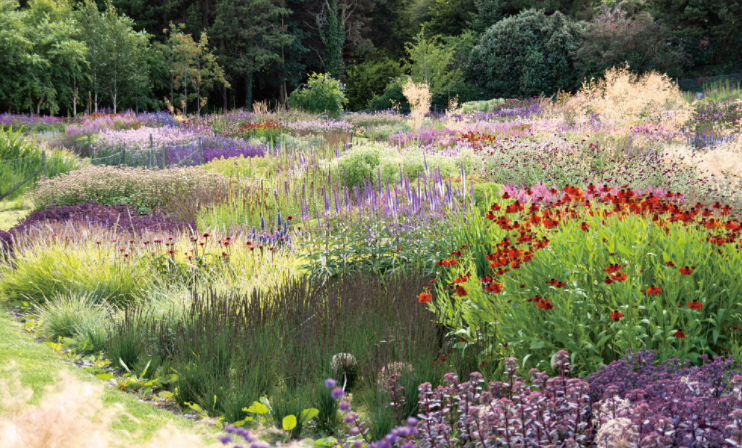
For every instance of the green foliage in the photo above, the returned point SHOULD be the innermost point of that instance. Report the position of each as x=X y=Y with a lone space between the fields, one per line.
x=482 y=106
x=432 y=62
x=39 y=276
x=42 y=59
x=709 y=31
x=289 y=412
x=331 y=26
x=580 y=320
x=65 y=315
x=22 y=157
x=392 y=98
x=449 y=18
x=117 y=55
x=192 y=64
x=525 y=55
x=367 y=161
x=323 y=95
x=368 y=79
x=328 y=418
x=613 y=39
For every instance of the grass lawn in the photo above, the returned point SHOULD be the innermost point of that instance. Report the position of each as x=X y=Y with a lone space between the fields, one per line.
x=38 y=366
x=13 y=211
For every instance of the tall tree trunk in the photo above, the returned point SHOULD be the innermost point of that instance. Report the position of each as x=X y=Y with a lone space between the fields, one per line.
x=224 y=98
x=38 y=105
x=248 y=91
x=74 y=100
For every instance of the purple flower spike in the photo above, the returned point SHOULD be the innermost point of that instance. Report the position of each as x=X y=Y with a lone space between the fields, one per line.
x=337 y=393
x=411 y=421
x=225 y=439
x=330 y=383
x=344 y=406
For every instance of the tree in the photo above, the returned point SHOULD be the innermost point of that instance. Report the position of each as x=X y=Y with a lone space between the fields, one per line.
x=369 y=79
x=16 y=51
x=486 y=13
x=331 y=24
x=709 y=30
x=525 y=55
x=250 y=35
x=117 y=55
x=124 y=55
x=613 y=39
x=431 y=63
x=58 y=58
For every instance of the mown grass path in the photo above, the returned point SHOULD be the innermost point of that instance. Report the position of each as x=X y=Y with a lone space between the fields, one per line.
x=38 y=366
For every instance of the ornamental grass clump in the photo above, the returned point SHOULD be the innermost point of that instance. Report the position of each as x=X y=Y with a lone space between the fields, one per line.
x=307 y=323
x=627 y=99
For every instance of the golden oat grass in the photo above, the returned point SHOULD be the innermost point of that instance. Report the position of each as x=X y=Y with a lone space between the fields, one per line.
x=629 y=99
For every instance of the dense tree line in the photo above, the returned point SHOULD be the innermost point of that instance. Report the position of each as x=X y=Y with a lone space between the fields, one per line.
x=64 y=56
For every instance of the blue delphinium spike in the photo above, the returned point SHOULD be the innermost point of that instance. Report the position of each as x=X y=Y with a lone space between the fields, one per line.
x=262 y=223
x=279 y=219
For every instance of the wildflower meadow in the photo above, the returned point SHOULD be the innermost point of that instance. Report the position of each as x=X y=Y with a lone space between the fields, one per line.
x=556 y=271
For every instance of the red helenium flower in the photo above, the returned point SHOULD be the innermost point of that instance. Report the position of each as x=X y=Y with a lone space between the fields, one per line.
x=686 y=271
x=679 y=334
x=695 y=305
x=616 y=315
x=424 y=297
x=653 y=291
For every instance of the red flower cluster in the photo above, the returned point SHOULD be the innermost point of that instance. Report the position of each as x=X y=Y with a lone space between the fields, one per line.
x=556 y=283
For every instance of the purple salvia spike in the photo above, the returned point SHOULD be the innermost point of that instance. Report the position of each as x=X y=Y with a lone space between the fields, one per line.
x=347 y=201
x=327 y=201
x=380 y=187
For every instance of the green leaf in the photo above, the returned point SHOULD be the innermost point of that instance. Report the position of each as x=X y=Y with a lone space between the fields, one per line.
x=289 y=422
x=257 y=408
x=308 y=414
x=327 y=441
x=535 y=345
x=105 y=376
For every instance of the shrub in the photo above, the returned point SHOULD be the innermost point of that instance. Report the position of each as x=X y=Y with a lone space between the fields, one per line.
x=628 y=99
x=392 y=97
x=322 y=95
x=418 y=96
x=482 y=106
x=369 y=79
x=365 y=162
x=525 y=55
x=163 y=189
